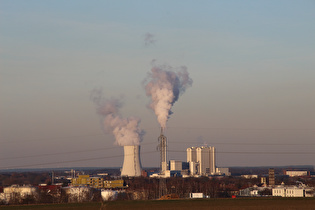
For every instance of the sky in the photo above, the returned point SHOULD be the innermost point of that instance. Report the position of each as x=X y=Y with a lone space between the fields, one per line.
x=251 y=63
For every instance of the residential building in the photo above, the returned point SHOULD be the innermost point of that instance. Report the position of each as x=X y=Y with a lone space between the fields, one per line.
x=114 y=183
x=296 y=173
x=249 y=176
x=293 y=191
x=271 y=177
x=255 y=191
x=86 y=180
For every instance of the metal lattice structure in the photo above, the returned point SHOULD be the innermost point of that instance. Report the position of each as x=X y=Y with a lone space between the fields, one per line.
x=163 y=153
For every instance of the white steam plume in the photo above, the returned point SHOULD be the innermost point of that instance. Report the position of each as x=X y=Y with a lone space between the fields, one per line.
x=164 y=85
x=149 y=39
x=125 y=130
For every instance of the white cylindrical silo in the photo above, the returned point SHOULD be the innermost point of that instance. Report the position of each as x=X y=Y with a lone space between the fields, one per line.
x=132 y=163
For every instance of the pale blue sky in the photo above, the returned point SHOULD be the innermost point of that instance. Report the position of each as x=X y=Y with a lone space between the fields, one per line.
x=252 y=63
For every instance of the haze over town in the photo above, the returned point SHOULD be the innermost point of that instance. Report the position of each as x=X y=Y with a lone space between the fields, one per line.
x=251 y=65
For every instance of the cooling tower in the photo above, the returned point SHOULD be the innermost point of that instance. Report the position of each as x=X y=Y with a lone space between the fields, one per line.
x=132 y=164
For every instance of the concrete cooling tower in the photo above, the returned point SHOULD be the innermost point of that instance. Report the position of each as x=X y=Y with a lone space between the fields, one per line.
x=132 y=164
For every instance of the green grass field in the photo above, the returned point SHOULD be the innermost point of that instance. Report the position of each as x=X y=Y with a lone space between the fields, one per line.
x=196 y=204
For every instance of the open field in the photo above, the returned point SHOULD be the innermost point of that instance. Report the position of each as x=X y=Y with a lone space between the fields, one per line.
x=217 y=204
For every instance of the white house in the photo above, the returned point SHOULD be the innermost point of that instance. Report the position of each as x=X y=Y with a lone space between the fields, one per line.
x=293 y=191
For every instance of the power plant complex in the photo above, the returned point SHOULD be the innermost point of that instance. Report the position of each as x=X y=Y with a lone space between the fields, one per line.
x=201 y=161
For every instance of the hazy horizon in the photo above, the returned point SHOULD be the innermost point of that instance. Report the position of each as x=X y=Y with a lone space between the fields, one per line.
x=251 y=63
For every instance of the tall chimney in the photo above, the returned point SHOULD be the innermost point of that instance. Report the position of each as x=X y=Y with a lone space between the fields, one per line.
x=132 y=163
x=162 y=147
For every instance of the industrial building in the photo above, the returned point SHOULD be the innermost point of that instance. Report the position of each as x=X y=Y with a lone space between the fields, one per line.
x=201 y=160
x=176 y=165
x=223 y=171
x=191 y=154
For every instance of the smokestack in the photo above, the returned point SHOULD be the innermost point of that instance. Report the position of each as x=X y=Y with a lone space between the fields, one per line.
x=164 y=86
x=132 y=164
x=163 y=154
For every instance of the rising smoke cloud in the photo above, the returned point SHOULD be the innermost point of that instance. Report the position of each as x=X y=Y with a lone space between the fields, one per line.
x=149 y=39
x=125 y=130
x=164 y=85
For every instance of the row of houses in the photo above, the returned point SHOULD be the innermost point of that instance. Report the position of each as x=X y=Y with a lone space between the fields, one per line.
x=54 y=194
x=82 y=189
x=299 y=190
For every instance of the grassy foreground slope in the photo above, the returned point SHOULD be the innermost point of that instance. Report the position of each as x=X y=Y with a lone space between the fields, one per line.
x=216 y=204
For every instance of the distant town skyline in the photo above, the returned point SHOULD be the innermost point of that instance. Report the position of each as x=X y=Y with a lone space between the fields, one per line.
x=251 y=63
